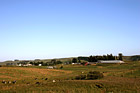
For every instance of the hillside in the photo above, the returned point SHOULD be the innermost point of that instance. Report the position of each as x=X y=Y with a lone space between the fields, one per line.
x=131 y=58
x=39 y=60
x=118 y=78
x=125 y=58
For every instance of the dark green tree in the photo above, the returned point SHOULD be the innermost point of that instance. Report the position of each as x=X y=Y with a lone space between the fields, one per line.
x=31 y=63
x=120 y=56
x=53 y=61
x=59 y=62
x=79 y=61
x=74 y=60
x=90 y=59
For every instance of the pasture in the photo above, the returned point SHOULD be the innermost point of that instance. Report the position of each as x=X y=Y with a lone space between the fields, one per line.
x=117 y=78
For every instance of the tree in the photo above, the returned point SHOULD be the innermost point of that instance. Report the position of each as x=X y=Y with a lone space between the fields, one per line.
x=83 y=58
x=53 y=61
x=16 y=60
x=104 y=57
x=94 y=58
x=90 y=59
x=59 y=62
x=74 y=60
x=120 y=56
x=31 y=63
x=36 y=63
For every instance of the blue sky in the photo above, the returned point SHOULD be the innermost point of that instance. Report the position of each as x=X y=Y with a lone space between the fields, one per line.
x=31 y=29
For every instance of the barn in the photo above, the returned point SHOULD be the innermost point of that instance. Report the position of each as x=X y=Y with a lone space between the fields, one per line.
x=110 y=61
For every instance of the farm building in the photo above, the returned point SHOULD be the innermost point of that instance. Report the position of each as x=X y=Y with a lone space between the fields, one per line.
x=51 y=67
x=24 y=64
x=76 y=63
x=110 y=61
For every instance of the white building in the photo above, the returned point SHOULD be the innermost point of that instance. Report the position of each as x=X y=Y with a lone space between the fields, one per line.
x=110 y=61
x=50 y=67
x=19 y=64
x=29 y=64
x=40 y=65
x=24 y=64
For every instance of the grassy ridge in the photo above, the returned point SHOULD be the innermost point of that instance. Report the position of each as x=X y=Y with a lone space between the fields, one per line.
x=41 y=60
x=125 y=58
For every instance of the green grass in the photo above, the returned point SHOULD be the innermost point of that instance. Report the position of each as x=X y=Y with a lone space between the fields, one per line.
x=124 y=78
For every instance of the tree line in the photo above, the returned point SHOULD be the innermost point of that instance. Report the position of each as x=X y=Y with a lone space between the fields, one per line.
x=74 y=60
x=104 y=57
x=53 y=62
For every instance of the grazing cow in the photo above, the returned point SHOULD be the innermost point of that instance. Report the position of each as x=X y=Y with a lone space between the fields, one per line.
x=14 y=82
x=99 y=85
x=37 y=83
x=46 y=78
x=54 y=81
x=4 y=82
x=9 y=82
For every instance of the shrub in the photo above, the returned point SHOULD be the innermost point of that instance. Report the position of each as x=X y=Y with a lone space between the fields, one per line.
x=77 y=78
x=80 y=77
x=94 y=75
x=61 y=67
x=83 y=77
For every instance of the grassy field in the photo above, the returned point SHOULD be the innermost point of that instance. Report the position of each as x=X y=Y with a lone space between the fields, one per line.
x=124 y=78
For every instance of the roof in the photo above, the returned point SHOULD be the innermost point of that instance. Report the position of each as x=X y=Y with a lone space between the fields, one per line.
x=110 y=61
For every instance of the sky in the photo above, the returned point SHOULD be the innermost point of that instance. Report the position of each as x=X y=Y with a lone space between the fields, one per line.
x=44 y=29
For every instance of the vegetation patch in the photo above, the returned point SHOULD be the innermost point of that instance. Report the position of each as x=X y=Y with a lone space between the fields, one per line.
x=92 y=75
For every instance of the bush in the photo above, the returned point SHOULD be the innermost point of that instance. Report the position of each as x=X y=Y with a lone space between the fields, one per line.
x=92 y=75
x=77 y=78
x=83 y=77
x=61 y=67
x=80 y=77
x=94 y=72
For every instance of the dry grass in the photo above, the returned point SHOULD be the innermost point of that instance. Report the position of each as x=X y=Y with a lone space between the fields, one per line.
x=118 y=78
x=13 y=72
